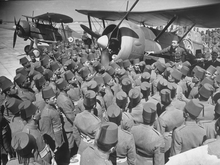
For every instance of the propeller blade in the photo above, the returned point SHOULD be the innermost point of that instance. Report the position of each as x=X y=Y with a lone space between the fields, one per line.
x=15 y=20
x=19 y=22
x=89 y=31
x=14 y=38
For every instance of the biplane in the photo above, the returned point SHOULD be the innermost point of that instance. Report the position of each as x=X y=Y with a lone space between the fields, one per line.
x=42 y=28
x=133 y=40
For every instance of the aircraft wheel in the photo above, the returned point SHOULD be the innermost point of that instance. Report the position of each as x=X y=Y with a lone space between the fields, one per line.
x=27 y=49
x=36 y=52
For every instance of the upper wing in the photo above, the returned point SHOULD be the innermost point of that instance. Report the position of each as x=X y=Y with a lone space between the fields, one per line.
x=205 y=15
x=54 y=17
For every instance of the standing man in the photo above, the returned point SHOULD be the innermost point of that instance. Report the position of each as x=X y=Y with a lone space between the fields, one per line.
x=191 y=134
x=149 y=142
x=104 y=146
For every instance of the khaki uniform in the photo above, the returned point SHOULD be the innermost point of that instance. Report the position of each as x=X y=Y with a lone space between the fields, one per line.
x=208 y=111
x=188 y=136
x=87 y=124
x=149 y=145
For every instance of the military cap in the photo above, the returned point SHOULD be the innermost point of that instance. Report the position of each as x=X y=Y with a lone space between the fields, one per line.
x=79 y=66
x=68 y=75
x=48 y=92
x=177 y=75
x=99 y=80
x=39 y=80
x=114 y=114
x=206 y=90
x=89 y=98
x=149 y=113
x=126 y=63
x=21 y=70
x=135 y=96
x=187 y=64
x=175 y=38
x=108 y=135
x=162 y=83
x=20 y=79
x=145 y=77
x=217 y=107
x=39 y=68
x=27 y=109
x=211 y=69
x=74 y=94
x=45 y=61
x=54 y=66
x=167 y=72
x=12 y=104
x=64 y=59
x=61 y=83
x=48 y=74
x=71 y=65
x=5 y=83
x=199 y=73
x=194 y=107
x=172 y=87
x=92 y=85
x=165 y=96
x=110 y=70
x=121 y=72
x=83 y=59
x=126 y=85
x=121 y=99
x=84 y=72
x=23 y=144
x=160 y=66
x=97 y=65
x=106 y=77
x=119 y=62
x=207 y=80
x=114 y=65
x=145 y=89
x=136 y=61
x=23 y=60
x=184 y=70
x=148 y=68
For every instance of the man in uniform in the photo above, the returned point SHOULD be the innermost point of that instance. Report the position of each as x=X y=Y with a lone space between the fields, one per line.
x=87 y=123
x=125 y=150
x=149 y=142
x=104 y=145
x=50 y=122
x=191 y=134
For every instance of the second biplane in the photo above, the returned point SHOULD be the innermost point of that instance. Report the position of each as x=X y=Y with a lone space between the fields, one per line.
x=42 y=28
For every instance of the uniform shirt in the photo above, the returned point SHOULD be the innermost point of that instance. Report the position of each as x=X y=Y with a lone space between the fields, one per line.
x=16 y=124
x=92 y=155
x=149 y=145
x=188 y=136
x=126 y=146
x=209 y=126
x=26 y=94
x=88 y=125
x=50 y=124
x=178 y=104
x=39 y=103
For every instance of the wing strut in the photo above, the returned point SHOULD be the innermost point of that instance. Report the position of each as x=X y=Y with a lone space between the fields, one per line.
x=165 y=28
x=90 y=26
x=186 y=33
x=103 y=22
x=63 y=31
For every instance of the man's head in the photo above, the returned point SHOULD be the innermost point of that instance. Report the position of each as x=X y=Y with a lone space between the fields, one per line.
x=214 y=56
x=49 y=96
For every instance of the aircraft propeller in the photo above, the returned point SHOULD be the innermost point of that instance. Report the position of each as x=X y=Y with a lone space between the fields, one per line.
x=18 y=31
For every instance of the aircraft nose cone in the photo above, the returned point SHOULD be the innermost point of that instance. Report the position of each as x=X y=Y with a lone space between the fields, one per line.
x=103 y=41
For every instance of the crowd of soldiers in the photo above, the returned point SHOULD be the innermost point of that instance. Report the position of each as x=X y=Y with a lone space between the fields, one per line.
x=65 y=106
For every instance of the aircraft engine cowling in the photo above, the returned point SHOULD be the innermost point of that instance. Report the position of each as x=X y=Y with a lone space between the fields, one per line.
x=23 y=29
x=131 y=39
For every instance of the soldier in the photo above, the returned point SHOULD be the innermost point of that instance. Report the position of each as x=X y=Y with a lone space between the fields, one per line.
x=16 y=123
x=104 y=145
x=191 y=134
x=31 y=115
x=67 y=108
x=87 y=123
x=148 y=141
x=214 y=61
x=24 y=92
x=25 y=146
x=125 y=150
x=50 y=122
